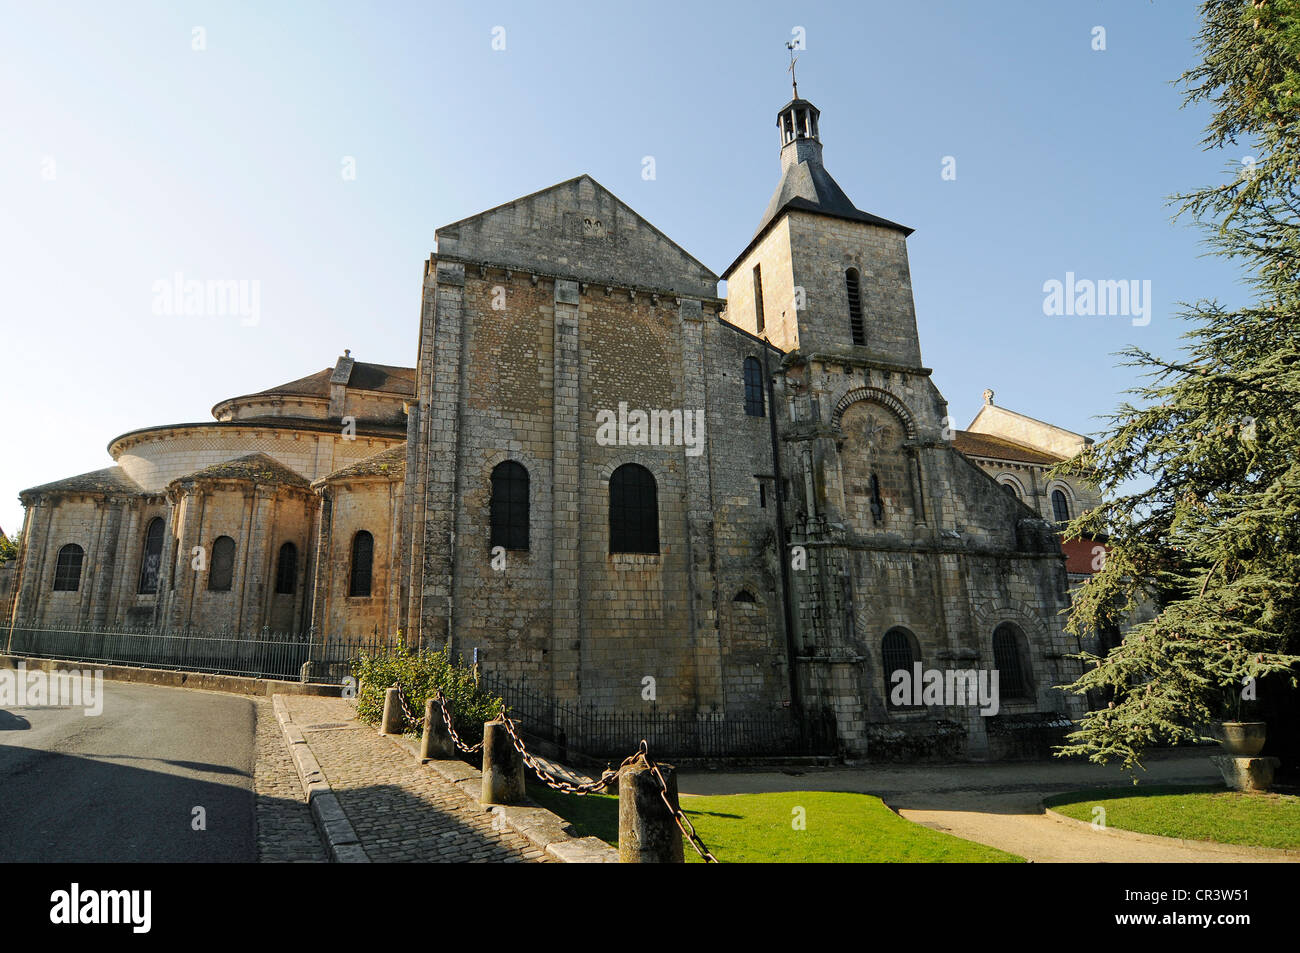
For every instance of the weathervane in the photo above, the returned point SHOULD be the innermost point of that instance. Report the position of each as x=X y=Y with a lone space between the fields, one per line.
x=789 y=45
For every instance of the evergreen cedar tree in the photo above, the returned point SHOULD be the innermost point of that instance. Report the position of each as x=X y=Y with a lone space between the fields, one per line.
x=1214 y=534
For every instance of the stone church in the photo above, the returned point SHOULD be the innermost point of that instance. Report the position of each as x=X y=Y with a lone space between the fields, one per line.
x=607 y=483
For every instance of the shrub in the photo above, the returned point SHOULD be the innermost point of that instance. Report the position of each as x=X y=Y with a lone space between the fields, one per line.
x=420 y=674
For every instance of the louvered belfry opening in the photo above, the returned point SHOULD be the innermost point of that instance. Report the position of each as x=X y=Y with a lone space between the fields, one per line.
x=854 y=287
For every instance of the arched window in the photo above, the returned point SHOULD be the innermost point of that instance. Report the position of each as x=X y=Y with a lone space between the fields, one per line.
x=222 y=571
x=286 y=570
x=856 y=325
x=745 y=596
x=633 y=510
x=898 y=653
x=67 y=568
x=151 y=560
x=1010 y=489
x=1060 y=507
x=510 y=506
x=1010 y=658
x=754 y=403
x=363 y=558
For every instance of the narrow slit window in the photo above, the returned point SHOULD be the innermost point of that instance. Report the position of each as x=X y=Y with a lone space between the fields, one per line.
x=286 y=570
x=754 y=401
x=151 y=558
x=759 y=322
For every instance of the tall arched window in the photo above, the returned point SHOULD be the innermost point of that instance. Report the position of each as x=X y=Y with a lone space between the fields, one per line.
x=222 y=571
x=1010 y=658
x=151 y=560
x=67 y=568
x=1010 y=489
x=633 y=510
x=286 y=570
x=898 y=653
x=854 y=286
x=1060 y=507
x=363 y=558
x=754 y=403
x=510 y=505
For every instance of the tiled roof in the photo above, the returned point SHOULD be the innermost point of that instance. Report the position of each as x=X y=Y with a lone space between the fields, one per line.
x=108 y=480
x=254 y=467
x=389 y=463
x=999 y=448
x=384 y=378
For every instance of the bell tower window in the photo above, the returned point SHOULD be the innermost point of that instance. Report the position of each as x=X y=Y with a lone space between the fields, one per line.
x=853 y=285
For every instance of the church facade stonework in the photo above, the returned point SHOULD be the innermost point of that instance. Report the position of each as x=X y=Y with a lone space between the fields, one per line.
x=611 y=486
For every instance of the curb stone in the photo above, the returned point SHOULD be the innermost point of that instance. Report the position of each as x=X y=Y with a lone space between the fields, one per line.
x=333 y=824
x=541 y=827
x=1212 y=846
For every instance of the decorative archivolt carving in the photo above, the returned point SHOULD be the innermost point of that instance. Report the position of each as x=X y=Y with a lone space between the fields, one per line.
x=874 y=395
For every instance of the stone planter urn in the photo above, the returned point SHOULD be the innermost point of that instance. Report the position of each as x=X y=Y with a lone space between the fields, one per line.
x=1243 y=739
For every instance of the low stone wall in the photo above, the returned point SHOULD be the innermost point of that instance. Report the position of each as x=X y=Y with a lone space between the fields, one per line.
x=916 y=741
x=1026 y=737
x=236 y=684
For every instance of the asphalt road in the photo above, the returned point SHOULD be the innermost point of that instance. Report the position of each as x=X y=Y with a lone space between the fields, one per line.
x=123 y=785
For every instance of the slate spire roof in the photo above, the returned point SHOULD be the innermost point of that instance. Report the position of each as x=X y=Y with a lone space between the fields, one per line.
x=805 y=184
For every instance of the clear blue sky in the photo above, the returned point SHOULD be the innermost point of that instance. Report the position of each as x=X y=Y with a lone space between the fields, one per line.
x=226 y=163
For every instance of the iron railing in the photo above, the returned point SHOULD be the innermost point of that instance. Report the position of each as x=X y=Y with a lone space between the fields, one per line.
x=263 y=654
x=600 y=733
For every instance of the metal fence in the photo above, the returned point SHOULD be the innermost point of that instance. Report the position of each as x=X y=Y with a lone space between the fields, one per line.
x=598 y=734
x=263 y=654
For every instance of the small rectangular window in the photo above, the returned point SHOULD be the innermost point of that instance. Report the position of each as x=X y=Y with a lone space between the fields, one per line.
x=762 y=494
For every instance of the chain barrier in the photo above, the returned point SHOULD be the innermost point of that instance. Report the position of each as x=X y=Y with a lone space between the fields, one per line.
x=410 y=719
x=683 y=822
x=643 y=751
x=446 y=717
x=608 y=777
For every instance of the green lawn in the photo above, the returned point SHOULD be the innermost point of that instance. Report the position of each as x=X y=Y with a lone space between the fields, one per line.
x=758 y=828
x=1191 y=812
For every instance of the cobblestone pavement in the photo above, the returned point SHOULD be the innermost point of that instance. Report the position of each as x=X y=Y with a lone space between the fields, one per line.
x=286 y=832
x=400 y=810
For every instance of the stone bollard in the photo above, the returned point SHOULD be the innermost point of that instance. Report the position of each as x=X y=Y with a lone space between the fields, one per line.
x=435 y=743
x=503 y=768
x=647 y=832
x=391 y=723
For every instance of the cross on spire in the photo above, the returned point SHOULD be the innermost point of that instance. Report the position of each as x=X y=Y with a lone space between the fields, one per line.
x=789 y=45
